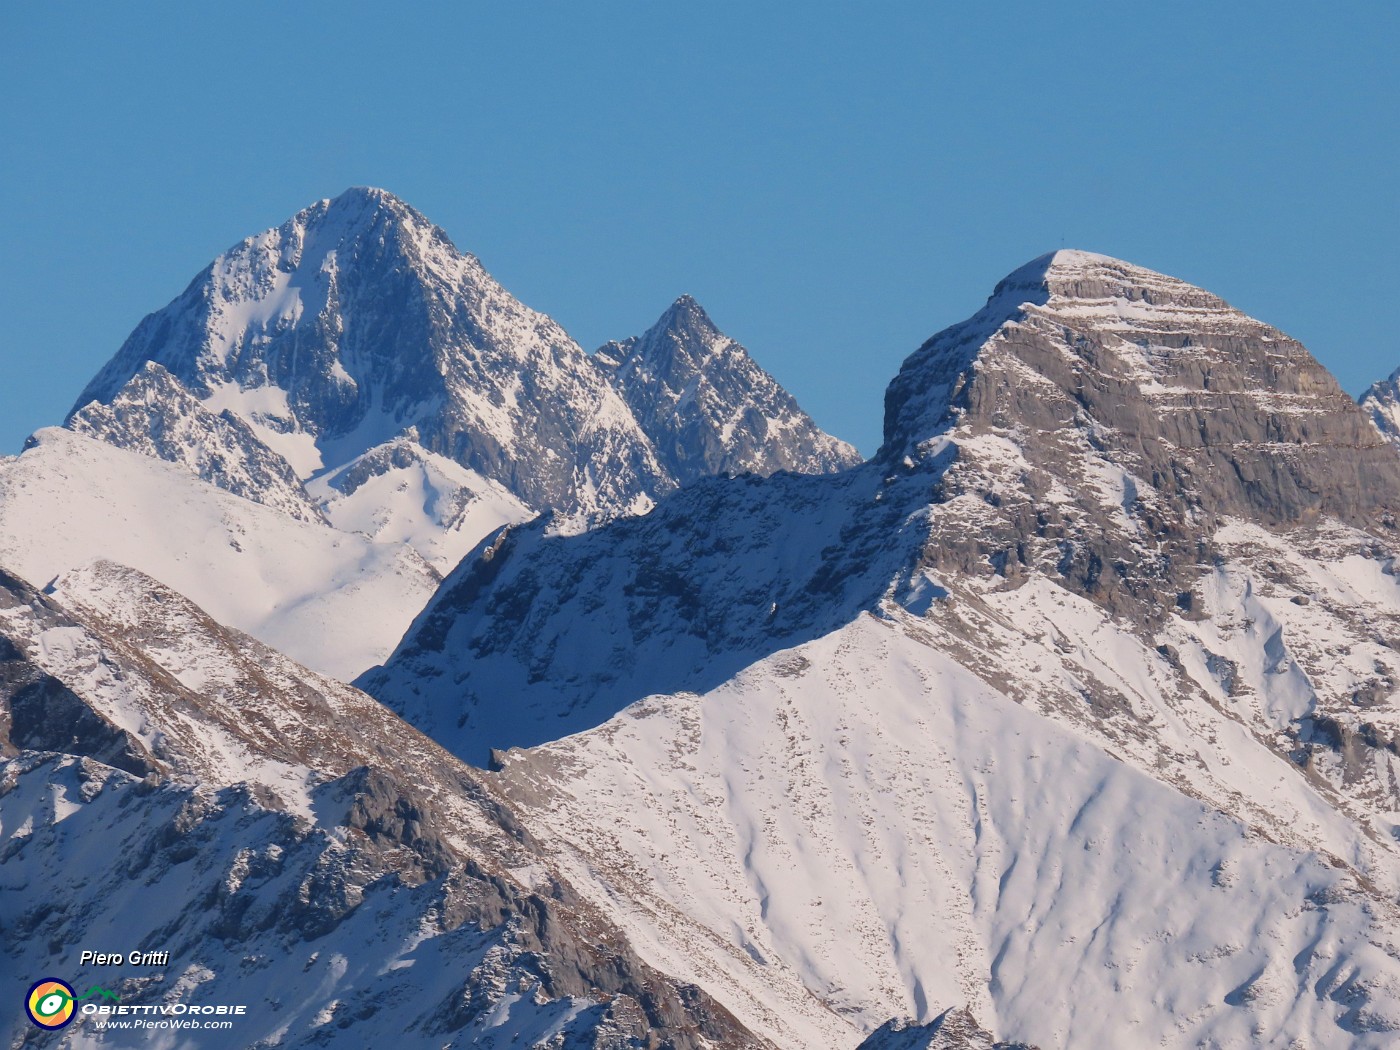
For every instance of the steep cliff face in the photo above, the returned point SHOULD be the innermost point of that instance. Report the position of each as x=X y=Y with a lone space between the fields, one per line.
x=1112 y=418
x=709 y=408
x=1086 y=683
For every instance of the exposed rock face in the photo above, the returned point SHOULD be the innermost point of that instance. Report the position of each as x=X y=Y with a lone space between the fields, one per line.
x=357 y=323
x=155 y=415
x=1382 y=403
x=1211 y=408
x=1117 y=597
x=954 y=1030
x=290 y=834
x=1114 y=417
x=709 y=408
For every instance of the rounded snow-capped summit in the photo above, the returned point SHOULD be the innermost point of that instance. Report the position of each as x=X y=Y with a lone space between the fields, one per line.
x=1080 y=355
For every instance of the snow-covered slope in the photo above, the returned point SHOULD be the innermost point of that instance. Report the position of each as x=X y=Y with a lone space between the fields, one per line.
x=572 y=629
x=1077 y=706
x=402 y=493
x=334 y=601
x=153 y=414
x=293 y=846
x=1382 y=403
x=709 y=408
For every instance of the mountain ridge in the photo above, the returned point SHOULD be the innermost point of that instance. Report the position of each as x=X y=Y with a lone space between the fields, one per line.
x=709 y=407
x=1125 y=532
x=1072 y=718
x=357 y=320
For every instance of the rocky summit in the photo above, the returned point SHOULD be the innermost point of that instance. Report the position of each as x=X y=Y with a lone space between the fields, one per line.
x=707 y=405
x=1070 y=719
x=1088 y=677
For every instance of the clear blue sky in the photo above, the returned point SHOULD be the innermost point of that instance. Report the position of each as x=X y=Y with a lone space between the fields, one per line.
x=834 y=182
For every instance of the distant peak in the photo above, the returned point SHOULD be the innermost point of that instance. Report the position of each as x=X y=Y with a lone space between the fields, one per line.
x=685 y=317
x=360 y=208
x=685 y=307
x=366 y=195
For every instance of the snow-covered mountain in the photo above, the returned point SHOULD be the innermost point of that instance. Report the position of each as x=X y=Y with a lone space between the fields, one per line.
x=353 y=371
x=334 y=600
x=1076 y=707
x=709 y=408
x=1071 y=719
x=1382 y=402
x=292 y=845
x=357 y=319
x=357 y=325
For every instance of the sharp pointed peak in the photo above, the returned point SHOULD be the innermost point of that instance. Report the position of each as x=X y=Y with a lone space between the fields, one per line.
x=362 y=207
x=685 y=307
x=686 y=318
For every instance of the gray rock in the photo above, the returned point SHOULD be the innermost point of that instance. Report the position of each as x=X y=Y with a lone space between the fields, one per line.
x=155 y=415
x=951 y=1030
x=709 y=408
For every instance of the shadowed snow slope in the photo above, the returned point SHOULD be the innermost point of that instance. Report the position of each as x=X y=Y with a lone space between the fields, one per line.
x=1077 y=706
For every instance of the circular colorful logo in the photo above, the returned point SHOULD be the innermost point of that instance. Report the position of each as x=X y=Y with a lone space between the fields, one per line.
x=50 y=1003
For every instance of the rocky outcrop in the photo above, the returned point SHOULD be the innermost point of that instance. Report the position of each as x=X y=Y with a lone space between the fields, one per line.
x=952 y=1030
x=1110 y=418
x=155 y=415
x=709 y=408
x=1381 y=402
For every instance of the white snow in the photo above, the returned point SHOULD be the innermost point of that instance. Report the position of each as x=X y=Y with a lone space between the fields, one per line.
x=334 y=601
x=433 y=504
